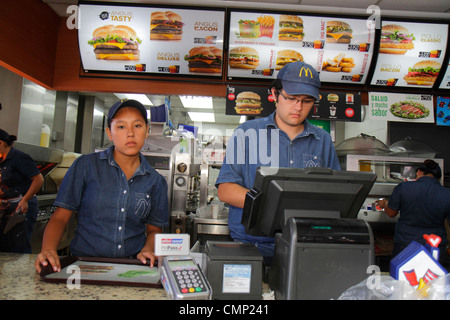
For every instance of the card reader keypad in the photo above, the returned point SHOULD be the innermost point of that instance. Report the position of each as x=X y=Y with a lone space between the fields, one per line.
x=189 y=280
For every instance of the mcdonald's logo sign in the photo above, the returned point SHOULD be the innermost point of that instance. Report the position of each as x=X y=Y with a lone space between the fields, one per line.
x=307 y=71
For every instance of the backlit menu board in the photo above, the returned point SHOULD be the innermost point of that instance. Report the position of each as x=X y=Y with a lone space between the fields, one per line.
x=410 y=54
x=151 y=40
x=261 y=44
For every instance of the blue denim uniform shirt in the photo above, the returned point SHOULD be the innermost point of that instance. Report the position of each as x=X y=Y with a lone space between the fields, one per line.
x=112 y=211
x=260 y=142
x=15 y=173
x=424 y=205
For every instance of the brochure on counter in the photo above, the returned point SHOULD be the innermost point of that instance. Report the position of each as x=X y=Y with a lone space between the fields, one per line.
x=401 y=107
x=410 y=54
x=262 y=43
x=151 y=40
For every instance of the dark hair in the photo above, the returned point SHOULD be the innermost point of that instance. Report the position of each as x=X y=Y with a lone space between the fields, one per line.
x=277 y=85
x=9 y=139
x=431 y=167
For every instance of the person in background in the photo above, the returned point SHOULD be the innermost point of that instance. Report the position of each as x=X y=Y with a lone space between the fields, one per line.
x=285 y=137
x=423 y=204
x=20 y=179
x=120 y=200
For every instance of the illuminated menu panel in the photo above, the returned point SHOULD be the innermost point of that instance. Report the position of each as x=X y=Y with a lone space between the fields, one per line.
x=151 y=40
x=410 y=54
x=262 y=43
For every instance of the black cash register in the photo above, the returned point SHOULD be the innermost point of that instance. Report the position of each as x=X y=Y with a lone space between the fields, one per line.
x=321 y=249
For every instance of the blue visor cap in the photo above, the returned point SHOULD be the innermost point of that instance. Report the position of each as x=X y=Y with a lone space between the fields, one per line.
x=127 y=103
x=300 y=78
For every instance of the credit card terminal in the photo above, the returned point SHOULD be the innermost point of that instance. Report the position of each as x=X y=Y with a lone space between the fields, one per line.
x=182 y=278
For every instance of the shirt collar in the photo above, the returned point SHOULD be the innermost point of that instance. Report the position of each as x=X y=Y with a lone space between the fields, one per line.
x=108 y=154
x=309 y=129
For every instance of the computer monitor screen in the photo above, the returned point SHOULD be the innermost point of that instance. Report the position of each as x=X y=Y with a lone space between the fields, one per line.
x=281 y=193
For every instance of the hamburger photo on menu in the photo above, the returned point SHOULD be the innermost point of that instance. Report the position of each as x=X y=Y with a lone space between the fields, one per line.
x=204 y=59
x=423 y=73
x=115 y=43
x=248 y=102
x=243 y=57
x=287 y=56
x=166 y=26
x=338 y=32
x=395 y=39
x=290 y=28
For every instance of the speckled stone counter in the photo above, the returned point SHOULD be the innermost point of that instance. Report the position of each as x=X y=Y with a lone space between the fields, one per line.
x=20 y=281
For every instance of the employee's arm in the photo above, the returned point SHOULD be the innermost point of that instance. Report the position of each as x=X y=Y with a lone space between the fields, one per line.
x=383 y=203
x=36 y=183
x=148 y=251
x=232 y=193
x=52 y=236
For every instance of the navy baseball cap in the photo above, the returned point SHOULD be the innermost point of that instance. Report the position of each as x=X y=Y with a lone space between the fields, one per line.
x=127 y=103
x=300 y=78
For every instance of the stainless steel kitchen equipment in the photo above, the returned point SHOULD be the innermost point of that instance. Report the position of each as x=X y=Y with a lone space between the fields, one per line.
x=47 y=160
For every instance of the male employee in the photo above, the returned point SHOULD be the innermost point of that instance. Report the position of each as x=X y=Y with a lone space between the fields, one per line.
x=283 y=139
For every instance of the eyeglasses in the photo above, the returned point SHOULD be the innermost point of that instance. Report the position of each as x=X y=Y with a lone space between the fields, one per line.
x=294 y=101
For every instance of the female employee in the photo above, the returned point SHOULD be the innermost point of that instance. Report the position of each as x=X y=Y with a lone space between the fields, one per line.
x=19 y=177
x=120 y=199
x=424 y=204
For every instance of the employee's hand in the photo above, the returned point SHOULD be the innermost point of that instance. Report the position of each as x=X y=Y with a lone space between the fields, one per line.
x=46 y=257
x=22 y=206
x=382 y=203
x=147 y=254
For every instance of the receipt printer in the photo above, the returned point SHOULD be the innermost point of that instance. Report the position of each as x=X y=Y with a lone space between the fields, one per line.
x=234 y=270
x=319 y=258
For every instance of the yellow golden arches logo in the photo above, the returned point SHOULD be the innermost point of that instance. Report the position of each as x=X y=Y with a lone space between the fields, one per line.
x=307 y=72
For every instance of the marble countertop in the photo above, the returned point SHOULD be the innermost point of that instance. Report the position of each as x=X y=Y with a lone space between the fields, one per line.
x=20 y=281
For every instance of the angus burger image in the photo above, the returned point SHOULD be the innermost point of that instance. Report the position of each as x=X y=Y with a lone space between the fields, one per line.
x=243 y=57
x=115 y=43
x=286 y=56
x=248 y=102
x=204 y=59
x=290 y=28
x=395 y=39
x=339 y=32
x=423 y=73
x=166 y=26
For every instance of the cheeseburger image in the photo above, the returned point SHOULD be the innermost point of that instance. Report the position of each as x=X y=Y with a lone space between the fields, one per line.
x=423 y=73
x=248 y=102
x=166 y=26
x=115 y=43
x=204 y=59
x=243 y=57
x=339 y=32
x=290 y=28
x=286 y=56
x=395 y=39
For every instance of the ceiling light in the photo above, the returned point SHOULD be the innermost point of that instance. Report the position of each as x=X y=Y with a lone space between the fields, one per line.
x=201 y=117
x=197 y=102
x=142 y=98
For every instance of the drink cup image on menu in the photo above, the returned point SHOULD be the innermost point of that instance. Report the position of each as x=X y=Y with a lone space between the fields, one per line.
x=115 y=43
